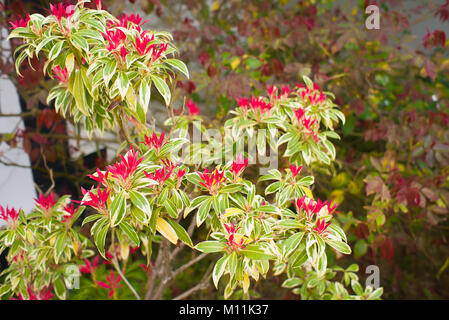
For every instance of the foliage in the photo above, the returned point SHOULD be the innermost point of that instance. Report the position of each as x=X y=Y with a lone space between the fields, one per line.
x=102 y=63
x=141 y=197
x=388 y=174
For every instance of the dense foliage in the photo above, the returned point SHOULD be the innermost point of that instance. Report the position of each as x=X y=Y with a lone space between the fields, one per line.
x=388 y=174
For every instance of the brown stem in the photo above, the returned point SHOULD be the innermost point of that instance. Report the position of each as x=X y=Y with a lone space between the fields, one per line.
x=117 y=267
x=204 y=283
x=124 y=128
x=156 y=269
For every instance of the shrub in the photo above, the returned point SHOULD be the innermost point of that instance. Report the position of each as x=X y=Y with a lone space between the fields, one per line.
x=106 y=68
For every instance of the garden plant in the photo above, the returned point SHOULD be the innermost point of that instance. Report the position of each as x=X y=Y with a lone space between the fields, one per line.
x=143 y=209
x=266 y=149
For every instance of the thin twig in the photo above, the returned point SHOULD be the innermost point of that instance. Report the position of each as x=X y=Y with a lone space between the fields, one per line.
x=156 y=270
x=21 y=115
x=50 y=172
x=165 y=272
x=187 y=265
x=116 y=265
x=124 y=131
x=13 y=164
x=204 y=283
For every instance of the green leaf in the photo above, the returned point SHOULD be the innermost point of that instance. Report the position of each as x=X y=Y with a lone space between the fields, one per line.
x=122 y=84
x=70 y=62
x=195 y=203
x=60 y=245
x=219 y=269
x=89 y=33
x=96 y=24
x=118 y=209
x=306 y=181
x=91 y=218
x=144 y=97
x=4 y=289
x=291 y=283
x=231 y=188
x=292 y=243
x=181 y=232
x=19 y=60
x=290 y=224
x=203 y=211
x=59 y=287
x=255 y=252
x=339 y=246
x=163 y=196
x=163 y=88
x=78 y=92
x=109 y=70
x=308 y=82
x=194 y=178
x=178 y=64
x=338 y=231
x=232 y=264
x=43 y=43
x=130 y=232
x=273 y=187
x=332 y=134
x=171 y=208
x=298 y=258
x=253 y=62
x=100 y=239
x=140 y=201
x=54 y=52
x=172 y=146
x=360 y=248
x=376 y=294
x=355 y=285
x=210 y=246
x=79 y=42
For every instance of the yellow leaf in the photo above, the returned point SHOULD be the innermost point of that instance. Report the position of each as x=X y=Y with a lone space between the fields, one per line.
x=232 y=211
x=70 y=62
x=239 y=237
x=30 y=238
x=337 y=196
x=443 y=267
x=166 y=230
x=245 y=283
x=354 y=11
x=384 y=66
x=131 y=97
x=445 y=63
x=255 y=273
x=308 y=192
x=354 y=188
x=124 y=250
x=76 y=247
x=235 y=62
x=215 y=6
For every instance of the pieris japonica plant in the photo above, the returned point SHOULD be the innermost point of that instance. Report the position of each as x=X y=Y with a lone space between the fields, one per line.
x=105 y=66
x=143 y=202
